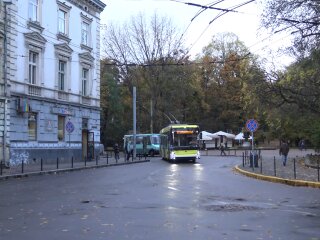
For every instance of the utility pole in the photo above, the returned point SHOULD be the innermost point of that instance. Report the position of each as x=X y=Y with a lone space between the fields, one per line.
x=151 y=115
x=134 y=103
x=5 y=77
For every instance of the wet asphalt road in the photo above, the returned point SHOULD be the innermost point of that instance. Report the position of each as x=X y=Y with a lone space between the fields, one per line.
x=157 y=200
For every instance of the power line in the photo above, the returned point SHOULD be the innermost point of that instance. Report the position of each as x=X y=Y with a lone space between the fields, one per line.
x=202 y=10
x=223 y=11
x=197 y=14
x=218 y=16
x=247 y=56
x=205 y=7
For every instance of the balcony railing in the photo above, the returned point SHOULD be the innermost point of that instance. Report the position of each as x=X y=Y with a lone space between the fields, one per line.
x=86 y=100
x=34 y=90
x=63 y=95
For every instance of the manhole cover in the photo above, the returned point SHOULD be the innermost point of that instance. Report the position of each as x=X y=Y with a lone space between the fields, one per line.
x=229 y=208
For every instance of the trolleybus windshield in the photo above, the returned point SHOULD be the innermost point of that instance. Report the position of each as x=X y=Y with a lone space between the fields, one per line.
x=184 y=137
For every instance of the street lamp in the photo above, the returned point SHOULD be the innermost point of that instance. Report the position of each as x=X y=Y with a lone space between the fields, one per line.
x=5 y=52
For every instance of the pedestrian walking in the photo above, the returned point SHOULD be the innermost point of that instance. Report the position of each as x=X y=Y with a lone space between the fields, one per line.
x=222 y=150
x=283 y=152
x=116 y=151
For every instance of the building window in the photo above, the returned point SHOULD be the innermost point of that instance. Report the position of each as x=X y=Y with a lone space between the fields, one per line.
x=85 y=123
x=32 y=126
x=62 y=21
x=63 y=18
x=33 y=65
x=33 y=10
x=85 y=33
x=61 y=124
x=85 y=81
x=62 y=75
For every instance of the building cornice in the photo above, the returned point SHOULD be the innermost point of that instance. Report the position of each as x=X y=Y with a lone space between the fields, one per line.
x=63 y=49
x=97 y=5
x=86 y=58
x=55 y=101
x=35 y=38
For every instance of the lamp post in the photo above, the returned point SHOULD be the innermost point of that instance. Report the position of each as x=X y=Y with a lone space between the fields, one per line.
x=5 y=77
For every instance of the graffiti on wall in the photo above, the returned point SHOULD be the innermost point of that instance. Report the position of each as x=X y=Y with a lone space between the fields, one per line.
x=17 y=158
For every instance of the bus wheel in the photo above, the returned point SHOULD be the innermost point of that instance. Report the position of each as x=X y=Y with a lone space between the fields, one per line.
x=151 y=153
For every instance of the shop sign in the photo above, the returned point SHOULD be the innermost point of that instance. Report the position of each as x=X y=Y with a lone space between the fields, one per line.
x=62 y=111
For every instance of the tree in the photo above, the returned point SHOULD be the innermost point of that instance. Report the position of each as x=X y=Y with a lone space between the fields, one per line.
x=114 y=105
x=151 y=56
x=225 y=73
x=301 y=18
x=288 y=100
x=298 y=86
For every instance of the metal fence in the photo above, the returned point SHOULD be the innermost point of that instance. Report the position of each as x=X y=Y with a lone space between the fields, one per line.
x=42 y=165
x=295 y=168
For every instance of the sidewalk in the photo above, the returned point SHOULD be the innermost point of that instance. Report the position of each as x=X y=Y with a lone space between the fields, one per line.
x=40 y=166
x=270 y=168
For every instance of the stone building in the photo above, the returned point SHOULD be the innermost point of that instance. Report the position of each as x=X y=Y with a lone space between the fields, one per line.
x=50 y=84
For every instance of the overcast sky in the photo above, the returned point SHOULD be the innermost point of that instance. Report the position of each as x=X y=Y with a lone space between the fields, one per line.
x=244 y=23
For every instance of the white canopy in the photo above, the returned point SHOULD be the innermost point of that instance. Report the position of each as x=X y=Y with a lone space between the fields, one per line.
x=208 y=136
x=239 y=136
x=225 y=134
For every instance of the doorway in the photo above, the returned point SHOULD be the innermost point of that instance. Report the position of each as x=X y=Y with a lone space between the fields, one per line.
x=84 y=143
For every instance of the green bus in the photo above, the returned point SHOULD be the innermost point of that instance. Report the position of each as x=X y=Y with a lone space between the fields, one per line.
x=179 y=142
x=146 y=144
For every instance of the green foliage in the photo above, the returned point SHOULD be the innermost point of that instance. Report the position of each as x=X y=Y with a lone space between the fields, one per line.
x=220 y=90
x=315 y=135
x=114 y=104
x=226 y=73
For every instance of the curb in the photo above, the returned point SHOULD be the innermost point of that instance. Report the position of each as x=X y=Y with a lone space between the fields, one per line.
x=55 y=171
x=291 y=182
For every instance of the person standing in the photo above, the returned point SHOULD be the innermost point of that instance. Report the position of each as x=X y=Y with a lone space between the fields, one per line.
x=116 y=151
x=302 y=145
x=129 y=150
x=283 y=152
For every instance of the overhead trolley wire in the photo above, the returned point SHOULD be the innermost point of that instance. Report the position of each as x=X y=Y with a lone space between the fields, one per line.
x=246 y=56
x=205 y=6
x=197 y=14
x=218 y=16
x=210 y=6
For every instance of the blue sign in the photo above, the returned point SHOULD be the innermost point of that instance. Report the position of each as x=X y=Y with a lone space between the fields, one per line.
x=69 y=127
x=252 y=125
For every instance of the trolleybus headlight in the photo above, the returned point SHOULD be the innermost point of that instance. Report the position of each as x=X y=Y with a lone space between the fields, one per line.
x=198 y=155
x=172 y=156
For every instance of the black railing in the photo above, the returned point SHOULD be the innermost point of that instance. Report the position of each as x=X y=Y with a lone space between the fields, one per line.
x=295 y=168
x=41 y=165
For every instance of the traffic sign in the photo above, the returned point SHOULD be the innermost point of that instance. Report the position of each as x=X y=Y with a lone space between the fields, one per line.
x=69 y=127
x=252 y=125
